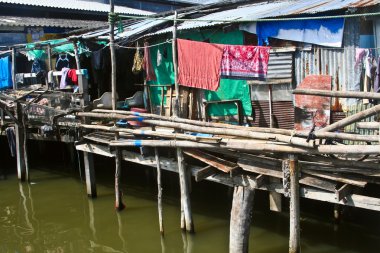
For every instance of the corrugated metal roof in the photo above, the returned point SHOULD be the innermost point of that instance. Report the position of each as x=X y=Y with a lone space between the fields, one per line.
x=272 y=9
x=48 y=22
x=77 y=5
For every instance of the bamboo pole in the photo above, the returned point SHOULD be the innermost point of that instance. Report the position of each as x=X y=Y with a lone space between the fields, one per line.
x=76 y=53
x=250 y=145
x=351 y=119
x=368 y=125
x=49 y=57
x=159 y=188
x=13 y=55
x=118 y=193
x=341 y=94
x=294 y=235
x=22 y=172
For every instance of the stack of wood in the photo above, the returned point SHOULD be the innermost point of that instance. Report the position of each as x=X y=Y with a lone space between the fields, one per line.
x=259 y=152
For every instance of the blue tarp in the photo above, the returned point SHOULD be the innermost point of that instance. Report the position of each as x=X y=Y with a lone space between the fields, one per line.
x=325 y=32
x=5 y=73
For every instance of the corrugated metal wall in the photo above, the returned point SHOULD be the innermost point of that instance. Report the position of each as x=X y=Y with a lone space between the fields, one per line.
x=335 y=62
x=283 y=114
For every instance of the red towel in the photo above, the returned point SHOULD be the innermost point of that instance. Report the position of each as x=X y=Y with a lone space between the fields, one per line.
x=147 y=64
x=199 y=64
x=245 y=61
x=72 y=74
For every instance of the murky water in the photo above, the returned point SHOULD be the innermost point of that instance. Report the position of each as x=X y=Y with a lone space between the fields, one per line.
x=53 y=214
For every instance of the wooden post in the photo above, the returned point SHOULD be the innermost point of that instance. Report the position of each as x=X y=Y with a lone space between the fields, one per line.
x=242 y=205
x=118 y=193
x=77 y=59
x=159 y=195
x=186 y=215
x=22 y=172
x=90 y=174
x=14 y=68
x=49 y=57
x=294 y=235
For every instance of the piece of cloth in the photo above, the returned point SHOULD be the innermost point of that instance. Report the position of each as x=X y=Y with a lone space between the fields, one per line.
x=147 y=64
x=36 y=66
x=63 y=82
x=376 y=85
x=325 y=32
x=359 y=54
x=72 y=74
x=10 y=132
x=5 y=73
x=199 y=64
x=137 y=62
x=245 y=62
x=19 y=78
x=159 y=57
x=62 y=62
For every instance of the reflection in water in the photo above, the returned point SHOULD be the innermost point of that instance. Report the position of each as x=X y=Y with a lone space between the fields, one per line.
x=55 y=215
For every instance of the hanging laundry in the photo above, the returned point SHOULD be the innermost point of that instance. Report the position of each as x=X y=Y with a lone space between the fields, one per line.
x=10 y=132
x=5 y=73
x=147 y=64
x=137 y=62
x=159 y=57
x=72 y=74
x=245 y=61
x=63 y=82
x=199 y=64
x=62 y=62
x=19 y=78
x=36 y=66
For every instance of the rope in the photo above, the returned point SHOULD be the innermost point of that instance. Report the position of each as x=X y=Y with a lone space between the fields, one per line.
x=256 y=20
x=154 y=45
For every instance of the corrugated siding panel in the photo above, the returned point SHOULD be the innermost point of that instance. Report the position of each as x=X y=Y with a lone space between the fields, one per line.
x=283 y=112
x=280 y=66
x=335 y=62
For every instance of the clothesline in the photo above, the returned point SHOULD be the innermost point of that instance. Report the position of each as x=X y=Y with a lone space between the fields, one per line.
x=142 y=47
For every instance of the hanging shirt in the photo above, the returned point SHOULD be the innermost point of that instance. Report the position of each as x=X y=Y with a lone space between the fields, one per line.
x=147 y=64
x=72 y=74
x=5 y=73
x=245 y=62
x=199 y=64
x=63 y=82
x=62 y=62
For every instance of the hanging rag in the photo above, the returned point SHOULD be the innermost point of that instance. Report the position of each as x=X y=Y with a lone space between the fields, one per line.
x=245 y=61
x=36 y=66
x=72 y=74
x=5 y=73
x=199 y=64
x=10 y=132
x=159 y=57
x=19 y=78
x=63 y=82
x=137 y=62
x=147 y=64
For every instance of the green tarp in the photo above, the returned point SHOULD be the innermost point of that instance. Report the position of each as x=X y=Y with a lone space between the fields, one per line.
x=228 y=89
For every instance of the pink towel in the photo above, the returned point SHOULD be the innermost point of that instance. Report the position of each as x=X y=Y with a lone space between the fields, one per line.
x=245 y=61
x=199 y=64
x=147 y=64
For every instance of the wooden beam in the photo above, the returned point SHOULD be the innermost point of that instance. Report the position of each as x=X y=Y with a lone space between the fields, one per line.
x=343 y=192
x=294 y=209
x=90 y=174
x=205 y=173
x=368 y=125
x=214 y=161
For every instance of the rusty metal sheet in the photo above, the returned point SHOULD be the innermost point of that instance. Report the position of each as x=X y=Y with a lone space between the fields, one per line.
x=313 y=110
x=283 y=113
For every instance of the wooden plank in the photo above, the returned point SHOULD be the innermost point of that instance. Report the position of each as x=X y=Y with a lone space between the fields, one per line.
x=318 y=183
x=338 y=178
x=205 y=173
x=343 y=192
x=216 y=162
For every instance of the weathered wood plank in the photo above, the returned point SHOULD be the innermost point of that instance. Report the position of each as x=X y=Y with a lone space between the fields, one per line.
x=205 y=173
x=334 y=177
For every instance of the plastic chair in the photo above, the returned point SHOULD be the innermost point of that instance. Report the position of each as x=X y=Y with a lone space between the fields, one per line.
x=104 y=102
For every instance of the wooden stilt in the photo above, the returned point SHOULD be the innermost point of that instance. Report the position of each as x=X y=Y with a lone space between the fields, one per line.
x=20 y=145
x=14 y=68
x=188 y=224
x=49 y=57
x=118 y=193
x=242 y=205
x=159 y=194
x=294 y=235
x=90 y=174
